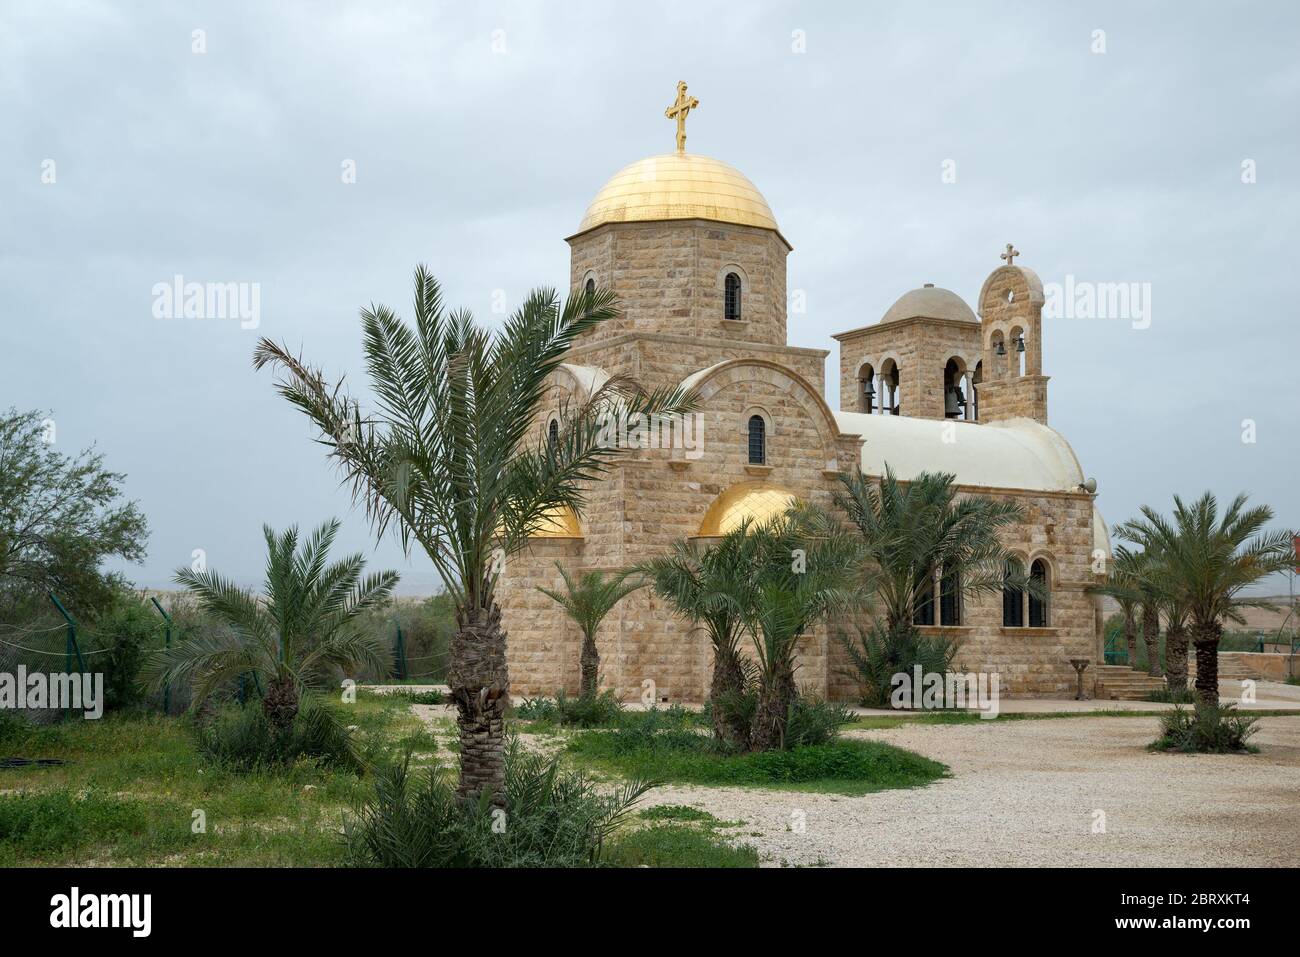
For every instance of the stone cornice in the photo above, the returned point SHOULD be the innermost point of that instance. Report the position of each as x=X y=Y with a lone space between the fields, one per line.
x=698 y=223
x=971 y=327
x=625 y=337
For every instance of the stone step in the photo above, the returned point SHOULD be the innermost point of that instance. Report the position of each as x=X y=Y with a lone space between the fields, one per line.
x=1122 y=683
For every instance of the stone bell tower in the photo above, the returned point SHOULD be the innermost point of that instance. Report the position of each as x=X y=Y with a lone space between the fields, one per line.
x=1011 y=321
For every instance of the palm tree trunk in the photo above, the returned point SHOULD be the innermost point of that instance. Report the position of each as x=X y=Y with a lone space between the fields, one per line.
x=724 y=692
x=1176 y=658
x=775 y=695
x=1151 y=637
x=480 y=686
x=280 y=703
x=589 y=667
x=1130 y=637
x=1205 y=636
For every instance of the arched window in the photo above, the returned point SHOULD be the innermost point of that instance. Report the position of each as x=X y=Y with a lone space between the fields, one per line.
x=1013 y=599
x=923 y=613
x=1038 y=606
x=1016 y=352
x=890 y=403
x=591 y=285
x=553 y=433
x=950 y=599
x=732 y=297
x=757 y=440
x=954 y=390
x=866 y=388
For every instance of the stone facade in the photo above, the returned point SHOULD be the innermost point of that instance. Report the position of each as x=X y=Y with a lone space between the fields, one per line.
x=669 y=276
x=920 y=348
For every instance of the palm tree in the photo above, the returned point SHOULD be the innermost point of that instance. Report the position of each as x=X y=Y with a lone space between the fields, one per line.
x=1123 y=584
x=807 y=568
x=308 y=625
x=714 y=588
x=1210 y=560
x=587 y=601
x=911 y=531
x=452 y=458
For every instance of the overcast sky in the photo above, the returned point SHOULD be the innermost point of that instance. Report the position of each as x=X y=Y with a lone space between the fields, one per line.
x=480 y=132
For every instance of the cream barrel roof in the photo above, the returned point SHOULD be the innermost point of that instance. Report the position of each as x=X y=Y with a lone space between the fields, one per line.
x=679 y=186
x=1015 y=453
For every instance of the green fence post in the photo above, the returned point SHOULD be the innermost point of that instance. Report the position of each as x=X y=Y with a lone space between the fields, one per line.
x=70 y=647
x=167 y=643
x=401 y=653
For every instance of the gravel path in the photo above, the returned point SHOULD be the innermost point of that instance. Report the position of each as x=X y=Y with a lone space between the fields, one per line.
x=1025 y=793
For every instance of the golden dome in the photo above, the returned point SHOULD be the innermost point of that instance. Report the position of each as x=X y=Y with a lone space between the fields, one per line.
x=679 y=186
x=756 y=501
x=558 y=523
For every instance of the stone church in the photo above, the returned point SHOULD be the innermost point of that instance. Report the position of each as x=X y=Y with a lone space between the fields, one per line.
x=698 y=261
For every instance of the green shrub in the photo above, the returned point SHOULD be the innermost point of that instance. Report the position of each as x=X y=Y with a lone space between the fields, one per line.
x=119 y=640
x=1206 y=728
x=432 y=696
x=1168 y=695
x=241 y=739
x=601 y=711
x=814 y=720
x=878 y=653
x=554 y=818
x=12 y=727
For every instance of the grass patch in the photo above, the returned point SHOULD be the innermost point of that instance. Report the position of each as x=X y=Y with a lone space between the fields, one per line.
x=133 y=781
x=685 y=757
x=678 y=812
x=677 y=845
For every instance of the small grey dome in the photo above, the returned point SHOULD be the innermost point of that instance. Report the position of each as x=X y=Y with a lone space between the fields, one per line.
x=932 y=303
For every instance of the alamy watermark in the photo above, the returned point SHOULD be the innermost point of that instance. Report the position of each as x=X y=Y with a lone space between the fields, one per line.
x=1077 y=299
x=179 y=299
x=40 y=691
x=935 y=690
x=660 y=430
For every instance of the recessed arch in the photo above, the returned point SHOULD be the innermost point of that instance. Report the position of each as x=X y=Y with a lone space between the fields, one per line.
x=709 y=382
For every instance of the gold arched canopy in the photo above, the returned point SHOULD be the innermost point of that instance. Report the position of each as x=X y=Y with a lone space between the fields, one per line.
x=757 y=501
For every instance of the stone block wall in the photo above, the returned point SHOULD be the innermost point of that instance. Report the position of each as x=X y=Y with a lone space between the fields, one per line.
x=669 y=277
x=1030 y=662
x=920 y=347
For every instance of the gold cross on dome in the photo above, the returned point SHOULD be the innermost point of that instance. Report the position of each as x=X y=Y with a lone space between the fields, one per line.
x=1010 y=255
x=678 y=112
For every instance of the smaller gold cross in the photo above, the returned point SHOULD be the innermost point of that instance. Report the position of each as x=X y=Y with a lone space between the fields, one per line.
x=1010 y=255
x=678 y=112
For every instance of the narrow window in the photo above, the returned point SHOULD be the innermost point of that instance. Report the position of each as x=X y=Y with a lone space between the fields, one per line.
x=553 y=433
x=1013 y=599
x=949 y=600
x=591 y=286
x=757 y=440
x=1038 y=606
x=732 y=304
x=924 y=611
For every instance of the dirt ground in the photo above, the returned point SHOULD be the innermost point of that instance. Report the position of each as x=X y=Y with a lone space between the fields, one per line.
x=1028 y=793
